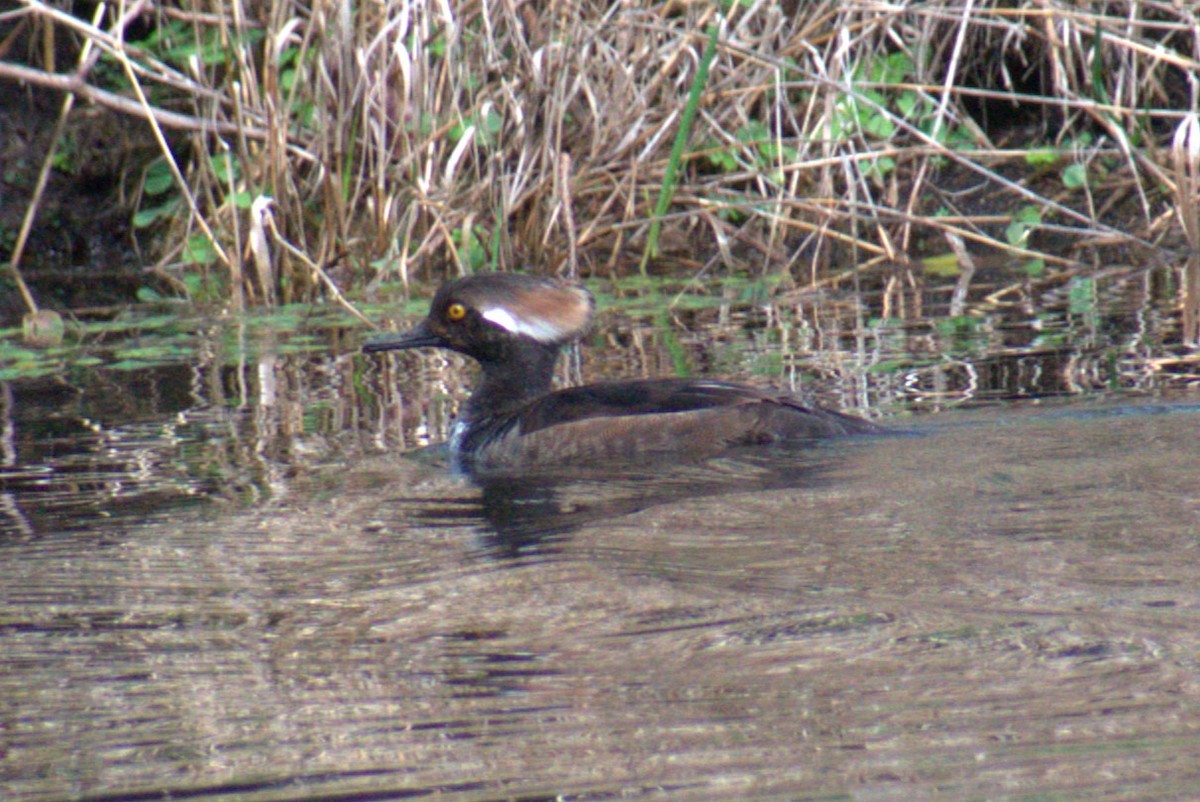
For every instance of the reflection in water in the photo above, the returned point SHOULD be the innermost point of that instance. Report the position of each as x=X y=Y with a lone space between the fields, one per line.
x=527 y=512
x=1004 y=606
x=480 y=672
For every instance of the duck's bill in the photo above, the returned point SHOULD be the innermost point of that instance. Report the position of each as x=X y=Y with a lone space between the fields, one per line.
x=419 y=337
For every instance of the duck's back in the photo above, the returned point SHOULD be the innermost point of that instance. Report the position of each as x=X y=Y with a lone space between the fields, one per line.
x=631 y=420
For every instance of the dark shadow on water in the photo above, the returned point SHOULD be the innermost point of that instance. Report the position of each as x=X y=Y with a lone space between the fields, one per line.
x=529 y=514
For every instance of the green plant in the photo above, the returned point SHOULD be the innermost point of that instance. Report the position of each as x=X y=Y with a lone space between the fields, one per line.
x=682 y=133
x=881 y=92
x=1018 y=232
x=157 y=182
x=470 y=249
x=1074 y=174
x=66 y=154
x=485 y=128
x=1022 y=226
x=769 y=153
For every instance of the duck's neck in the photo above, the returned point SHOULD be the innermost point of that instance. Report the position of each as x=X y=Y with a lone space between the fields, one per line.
x=523 y=372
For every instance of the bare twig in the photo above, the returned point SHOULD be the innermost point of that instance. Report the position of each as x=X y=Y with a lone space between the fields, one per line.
x=39 y=188
x=77 y=85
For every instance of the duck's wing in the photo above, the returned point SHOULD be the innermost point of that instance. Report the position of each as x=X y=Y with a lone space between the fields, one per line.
x=764 y=415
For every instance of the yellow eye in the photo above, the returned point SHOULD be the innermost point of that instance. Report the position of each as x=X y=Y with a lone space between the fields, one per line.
x=455 y=312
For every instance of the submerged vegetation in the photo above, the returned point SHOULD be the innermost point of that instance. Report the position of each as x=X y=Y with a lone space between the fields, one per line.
x=279 y=151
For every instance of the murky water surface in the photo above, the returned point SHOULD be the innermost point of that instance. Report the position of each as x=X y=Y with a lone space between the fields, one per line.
x=215 y=585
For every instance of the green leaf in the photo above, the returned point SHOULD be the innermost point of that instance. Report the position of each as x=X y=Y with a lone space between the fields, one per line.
x=194 y=283
x=1024 y=221
x=225 y=167
x=1042 y=157
x=754 y=132
x=880 y=167
x=199 y=250
x=959 y=138
x=493 y=123
x=721 y=159
x=875 y=101
x=1016 y=233
x=1031 y=215
x=958 y=324
x=1075 y=176
x=63 y=159
x=148 y=217
x=895 y=69
x=879 y=126
x=159 y=178
x=731 y=214
x=943 y=265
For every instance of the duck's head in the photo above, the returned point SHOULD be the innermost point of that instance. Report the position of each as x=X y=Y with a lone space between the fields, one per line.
x=490 y=315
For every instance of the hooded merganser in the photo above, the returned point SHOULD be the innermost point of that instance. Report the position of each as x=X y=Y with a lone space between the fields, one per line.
x=514 y=326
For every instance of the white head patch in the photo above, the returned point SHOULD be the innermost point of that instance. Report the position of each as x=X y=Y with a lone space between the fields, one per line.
x=540 y=329
x=545 y=311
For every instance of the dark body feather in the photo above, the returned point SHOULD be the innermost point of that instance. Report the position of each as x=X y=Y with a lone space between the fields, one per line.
x=617 y=421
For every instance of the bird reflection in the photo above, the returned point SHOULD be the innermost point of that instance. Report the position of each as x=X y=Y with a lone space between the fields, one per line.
x=528 y=513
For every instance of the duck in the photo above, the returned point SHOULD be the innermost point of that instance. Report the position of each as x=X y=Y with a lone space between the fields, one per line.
x=515 y=326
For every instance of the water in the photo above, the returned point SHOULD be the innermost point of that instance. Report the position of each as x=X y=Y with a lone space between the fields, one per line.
x=230 y=575
x=1000 y=606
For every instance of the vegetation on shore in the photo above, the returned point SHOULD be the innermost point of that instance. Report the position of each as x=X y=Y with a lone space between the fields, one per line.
x=292 y=150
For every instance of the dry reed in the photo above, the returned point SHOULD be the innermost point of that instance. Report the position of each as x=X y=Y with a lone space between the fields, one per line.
x=397 y=137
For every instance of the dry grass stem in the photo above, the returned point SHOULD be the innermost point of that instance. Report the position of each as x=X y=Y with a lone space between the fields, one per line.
x=1186 y=158
x=421 y=139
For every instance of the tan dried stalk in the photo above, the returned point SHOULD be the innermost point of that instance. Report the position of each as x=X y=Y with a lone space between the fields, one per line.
x=420 y=138
x=1186 y=157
